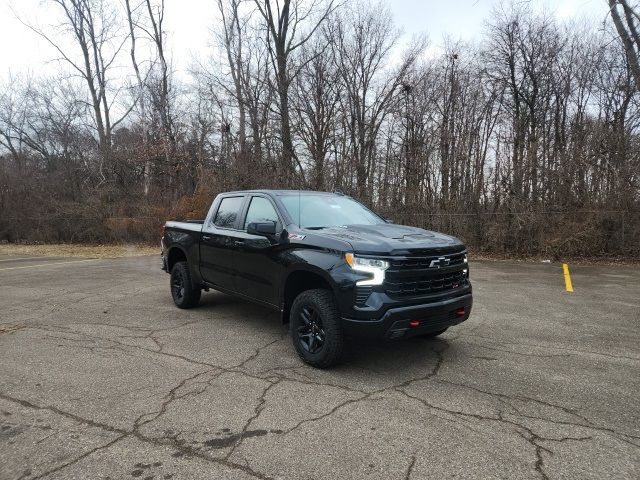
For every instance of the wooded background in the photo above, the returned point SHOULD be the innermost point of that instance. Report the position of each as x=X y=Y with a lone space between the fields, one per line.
x=525 y=141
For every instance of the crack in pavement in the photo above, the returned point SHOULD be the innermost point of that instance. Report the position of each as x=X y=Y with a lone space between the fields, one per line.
x=531 y=436
x=262 y=401
x=368 y=395
x=232 y=369
x=523 y=398
x=169 y=398
x=281 y=373
x=329 y=413
x=237 y=369
x=9 y=328
x=77 y=459
x=134 y=433
x=624 y=437
x=407 y=475
x=465 y=336
x=259 y=351
x=535 y=355
x=523 y=431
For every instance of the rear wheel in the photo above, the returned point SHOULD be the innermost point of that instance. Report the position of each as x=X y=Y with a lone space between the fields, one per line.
x=315 y=328
x=184 y=295
x=433 y=334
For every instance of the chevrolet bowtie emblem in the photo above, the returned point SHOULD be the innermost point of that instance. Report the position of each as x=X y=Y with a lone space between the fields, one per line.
x=439 y=262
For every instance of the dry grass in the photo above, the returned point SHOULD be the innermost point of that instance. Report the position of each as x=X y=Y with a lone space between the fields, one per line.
x=83 y=251
x=610 y=260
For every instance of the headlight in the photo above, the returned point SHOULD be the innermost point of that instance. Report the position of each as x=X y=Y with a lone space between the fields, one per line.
x=374 y=266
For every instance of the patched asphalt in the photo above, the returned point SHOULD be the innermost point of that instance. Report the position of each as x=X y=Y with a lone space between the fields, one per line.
x=102 y=377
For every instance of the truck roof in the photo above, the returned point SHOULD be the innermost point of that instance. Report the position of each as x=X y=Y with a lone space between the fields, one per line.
x=283 y=192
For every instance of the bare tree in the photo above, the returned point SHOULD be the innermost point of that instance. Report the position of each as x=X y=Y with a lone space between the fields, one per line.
x=140 y=96
x=94 y=27
x=286 y=26
x=628 y=32
x=161 y=91
x=526 y=140
x=232 y=39
x=315 y=104
x=363 y=41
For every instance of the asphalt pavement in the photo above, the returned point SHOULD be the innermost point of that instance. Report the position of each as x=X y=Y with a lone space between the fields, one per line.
x=101 y=377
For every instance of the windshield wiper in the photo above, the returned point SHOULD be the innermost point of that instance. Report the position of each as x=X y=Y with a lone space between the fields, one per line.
x=314 y=228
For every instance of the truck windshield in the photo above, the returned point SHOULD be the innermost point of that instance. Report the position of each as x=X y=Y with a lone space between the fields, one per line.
x=321 y=211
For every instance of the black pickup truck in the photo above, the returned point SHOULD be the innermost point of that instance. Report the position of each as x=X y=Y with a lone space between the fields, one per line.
x=329 y=265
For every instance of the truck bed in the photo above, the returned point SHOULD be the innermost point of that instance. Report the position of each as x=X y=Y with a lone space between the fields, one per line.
x=191 y=225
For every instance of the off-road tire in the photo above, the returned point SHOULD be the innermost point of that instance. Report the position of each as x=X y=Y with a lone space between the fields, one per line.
x=182 y=291
x=327 y=321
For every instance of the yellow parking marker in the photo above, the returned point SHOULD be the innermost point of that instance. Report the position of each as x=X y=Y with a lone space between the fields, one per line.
x=567 y=277
x=50 y=263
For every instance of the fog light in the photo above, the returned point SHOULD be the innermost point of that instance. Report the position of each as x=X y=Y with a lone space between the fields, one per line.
x=460 y=312
x=414 y=323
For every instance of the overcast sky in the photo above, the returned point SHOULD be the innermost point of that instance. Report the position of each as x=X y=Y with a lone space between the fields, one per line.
x=188 y=23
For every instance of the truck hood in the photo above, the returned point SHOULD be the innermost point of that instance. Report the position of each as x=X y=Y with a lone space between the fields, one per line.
x=391 y=239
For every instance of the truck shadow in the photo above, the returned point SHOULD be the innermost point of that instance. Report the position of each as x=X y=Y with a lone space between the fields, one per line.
x=222 y=304
x=376 y=355
x=403 y=353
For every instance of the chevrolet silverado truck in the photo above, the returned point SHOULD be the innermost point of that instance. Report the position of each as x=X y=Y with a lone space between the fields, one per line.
x=332 y=268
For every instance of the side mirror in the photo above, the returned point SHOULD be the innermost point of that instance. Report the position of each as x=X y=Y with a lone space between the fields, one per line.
x=262 y=228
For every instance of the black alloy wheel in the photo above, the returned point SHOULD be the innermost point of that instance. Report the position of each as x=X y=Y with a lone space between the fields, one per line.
x=311 y=332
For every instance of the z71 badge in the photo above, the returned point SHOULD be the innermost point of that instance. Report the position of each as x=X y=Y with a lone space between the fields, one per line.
x=295 y=236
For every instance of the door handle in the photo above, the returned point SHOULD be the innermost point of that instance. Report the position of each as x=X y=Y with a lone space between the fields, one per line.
x=206 y=237
x=239 y=242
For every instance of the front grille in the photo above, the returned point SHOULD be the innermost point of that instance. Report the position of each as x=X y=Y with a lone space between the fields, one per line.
x=413 y=276
x=435 y=284
x=419 y=263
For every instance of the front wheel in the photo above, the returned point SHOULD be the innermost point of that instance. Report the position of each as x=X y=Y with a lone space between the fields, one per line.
x=315 y=328
x=183 y=293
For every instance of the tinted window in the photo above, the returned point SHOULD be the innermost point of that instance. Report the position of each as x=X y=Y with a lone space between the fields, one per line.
x=320 y=211
x=228 y=212
x=260 y=210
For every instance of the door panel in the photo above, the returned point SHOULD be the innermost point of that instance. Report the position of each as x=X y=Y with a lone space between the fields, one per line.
x=258 y=269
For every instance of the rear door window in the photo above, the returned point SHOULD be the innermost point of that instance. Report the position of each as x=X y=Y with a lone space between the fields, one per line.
x=228 y=212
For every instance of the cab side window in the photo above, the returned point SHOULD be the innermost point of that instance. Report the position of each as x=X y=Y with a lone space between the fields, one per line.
x=228 y=212
x=260 y=210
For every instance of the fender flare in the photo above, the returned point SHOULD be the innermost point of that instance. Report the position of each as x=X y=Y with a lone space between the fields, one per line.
x=195 y=275
x=306 y=268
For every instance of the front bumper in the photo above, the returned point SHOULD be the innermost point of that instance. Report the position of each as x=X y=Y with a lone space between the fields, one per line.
x=397 y=322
